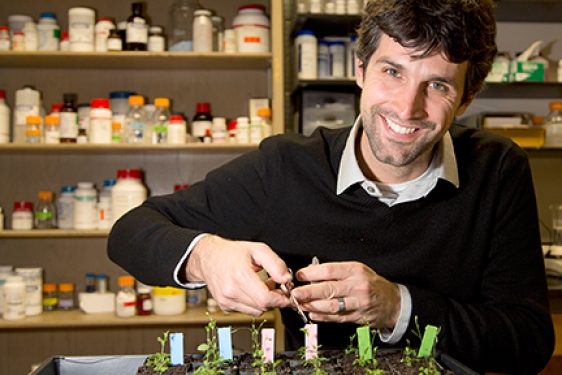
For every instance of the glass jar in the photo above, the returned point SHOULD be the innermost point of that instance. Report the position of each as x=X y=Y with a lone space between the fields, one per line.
x=50 y=297
x=66 y=296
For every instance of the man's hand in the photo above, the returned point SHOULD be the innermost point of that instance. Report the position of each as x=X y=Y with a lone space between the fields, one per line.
x=229 y=268
x=368 y=298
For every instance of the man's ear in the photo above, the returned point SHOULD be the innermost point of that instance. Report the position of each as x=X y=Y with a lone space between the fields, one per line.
x=359 y=72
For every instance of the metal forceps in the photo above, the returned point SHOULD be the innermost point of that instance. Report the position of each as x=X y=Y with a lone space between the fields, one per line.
x=293 y=299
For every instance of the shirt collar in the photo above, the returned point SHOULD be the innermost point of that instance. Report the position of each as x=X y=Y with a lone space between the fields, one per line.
x=443 y=165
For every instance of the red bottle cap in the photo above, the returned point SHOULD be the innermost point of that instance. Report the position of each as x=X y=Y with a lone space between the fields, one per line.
x=23 y=206
x=2 y=94
x=99 y=103
x=180 y=186
x=176 y=119
x=64 y=35
x=203 y=107
x=56 y=107
x=129 y=173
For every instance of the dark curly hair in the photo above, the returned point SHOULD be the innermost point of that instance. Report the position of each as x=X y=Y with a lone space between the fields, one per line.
x=464 y=30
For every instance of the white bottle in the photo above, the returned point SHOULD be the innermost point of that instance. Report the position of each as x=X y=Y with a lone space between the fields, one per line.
x=104 y=205
x=229 y=42
x=307 y=54
x=4 y=38
x=202 y=31
x=316 y=6
x=49 y=32
x=156 y=40
x=5 y=271
x=218 y=130
x=127 y=193
x=31 y=36
x=33 y=279
x=14 y=298
x=100 y=121
x=81 y=29
x=27 y=103
x=126 y=298
x=85 y=210
x=65 y=208
x=267 y=127
x=340 y=7
x=101 y=32
x=252 y=29
x=256 y=134
x=4 y=119
x=323 y=59
x=353 y=7
x=242 y=130
x=350 y=57
x=337 y=59
x=177 y=130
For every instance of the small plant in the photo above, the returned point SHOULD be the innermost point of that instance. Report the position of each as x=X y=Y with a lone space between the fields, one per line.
x=258 y=353
x=409 y=355
x=212 y=359
x=431 y=368
x=160 y=361
x=316 y=361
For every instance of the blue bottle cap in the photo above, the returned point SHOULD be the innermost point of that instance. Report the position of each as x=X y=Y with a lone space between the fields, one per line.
x=306 y=32
x=102 y=276
x=120 y=94
x=90 y=275
x=48 y=15
x=109 y=183
x=68 y=189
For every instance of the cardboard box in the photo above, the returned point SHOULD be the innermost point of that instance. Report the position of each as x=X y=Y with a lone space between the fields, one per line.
x=527 y=71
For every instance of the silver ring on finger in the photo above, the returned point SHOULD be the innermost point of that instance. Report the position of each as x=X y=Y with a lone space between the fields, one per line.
x=341 y=305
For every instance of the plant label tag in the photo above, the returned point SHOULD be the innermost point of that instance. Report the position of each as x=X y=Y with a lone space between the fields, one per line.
x=428 y=341
x=364 y=339
x=311 y=341
x=268 y=344
x=225 y=343
x=176 y=348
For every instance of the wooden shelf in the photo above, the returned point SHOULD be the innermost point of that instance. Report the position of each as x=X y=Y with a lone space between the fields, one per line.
x=75 y=148
x=133 y=60
x=194 y=316
x=54 y=233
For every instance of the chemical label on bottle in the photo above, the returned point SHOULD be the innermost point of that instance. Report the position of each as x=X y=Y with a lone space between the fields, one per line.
x=23 y=110
x=68 y=124
x=200 y=127
x=52 y=136
x=137 y=32
x=81 y=32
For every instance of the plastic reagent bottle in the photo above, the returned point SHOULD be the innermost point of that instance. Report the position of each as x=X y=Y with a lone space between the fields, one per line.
x=137 y=29
x=27 y=103
x=128 y=193
x=45 y=215
x=52 y=129
x=65 y=208
x=160 y=121
x=100 y=121
x=126 y=299
x=135 y=121
x=104 y=206
x=68 y=119
x=553 y=125
x=66 y=296
x=90 y=282
x=85 y=202
x=4 y=119
x=180 y=37
x=176 y=130
x=31 y=36
x=49 y=32
x=14 y=298
x=33 y=129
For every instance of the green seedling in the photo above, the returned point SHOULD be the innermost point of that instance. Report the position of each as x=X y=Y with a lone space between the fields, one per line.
x=212 y=359
x=160 y=361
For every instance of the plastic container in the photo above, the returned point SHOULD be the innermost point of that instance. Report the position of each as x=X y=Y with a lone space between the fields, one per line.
x=119 y=105
x=337 y=59
x=100 y=121
x=350 y=57
x=50 y=297
x=180 y=29
x=31 y=36
x=218 y=33
x=127 y=193
x=156 y=40
x=5 y=271
x=126 y=299
x=45 y=212
x=27 y=103
x=33 y=279
x=553 y=125
x=177 y=130
x=18 y=41
x=114 y=41
x=104 y=206
x=168 y=300
x=230 y=44
x=65 y=208
x=307 y=55
x=33 y=129
x=159 y=121
x=14 y=298
x=243 y=130
x=81 y=32
x=256 y=134
x=49 y=32
x=202 y=31
x=85 y=210
x=17 y=21
x=52 y=129
x=4 y=119
x=144 y=299
x=90 y=282
x=267 y=127
x=136 y=121
x=219 y=132
x=101 y=33
x=22 y=216
x=252 y=29
x=66 y=296
x=5 y=38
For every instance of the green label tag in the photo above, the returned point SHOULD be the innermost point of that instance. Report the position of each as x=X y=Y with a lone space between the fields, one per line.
x=43 y=215
x=428 y=341
x=364 y=339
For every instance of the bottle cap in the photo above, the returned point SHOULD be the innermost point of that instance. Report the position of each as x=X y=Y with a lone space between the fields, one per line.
x=180 y=186
x=64 y=35
x=23 y=206
x=68 y=189
x=264 y=112
x=49 y=287
x=136 y=100
x=90 y=275
x=32 y=132
x=56 y=107
x=120 y=94
x=162 y=102
x=555 y=105
x=129 y=173
x=4 y=28
x=102 y=276
x=52 y=120
x=33 y=120
x=48 y=15
x=109 y=182
x=106 y=19
x=126 y=280
x=100 y=103
x=176 y=119
x=2 y=94
x=203 y=107
x=66 y=287
x=45 y=195
x=252 y=7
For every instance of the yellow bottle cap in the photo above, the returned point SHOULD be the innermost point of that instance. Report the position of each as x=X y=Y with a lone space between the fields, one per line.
x=136 y=100
x=162 y=102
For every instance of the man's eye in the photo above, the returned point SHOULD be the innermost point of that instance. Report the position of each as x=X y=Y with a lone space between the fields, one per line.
x=392 y=72
x=438 y=86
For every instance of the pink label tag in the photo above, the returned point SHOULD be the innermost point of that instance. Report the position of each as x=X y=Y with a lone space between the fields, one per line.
x=268 y=344
x=311 y=341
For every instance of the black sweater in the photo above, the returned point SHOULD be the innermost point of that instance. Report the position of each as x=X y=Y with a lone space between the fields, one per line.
x=470 y=256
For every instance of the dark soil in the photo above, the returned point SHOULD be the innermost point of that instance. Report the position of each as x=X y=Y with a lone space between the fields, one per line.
x=392 y=362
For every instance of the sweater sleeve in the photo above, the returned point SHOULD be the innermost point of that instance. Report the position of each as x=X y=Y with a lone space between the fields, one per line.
x=509 y=322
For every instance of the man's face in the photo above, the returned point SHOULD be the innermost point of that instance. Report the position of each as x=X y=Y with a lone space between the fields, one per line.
x=407 y=105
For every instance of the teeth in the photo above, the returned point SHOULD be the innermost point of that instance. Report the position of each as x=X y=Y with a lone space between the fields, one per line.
x=399 y=129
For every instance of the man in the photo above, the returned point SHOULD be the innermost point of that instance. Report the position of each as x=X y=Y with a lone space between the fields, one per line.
x=410 y=216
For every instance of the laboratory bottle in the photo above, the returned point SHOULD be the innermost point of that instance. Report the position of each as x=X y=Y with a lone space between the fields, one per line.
x=27 y=103
x=45 y=214
x=102 y=283
x=52 y=129
x=14 y=298
x=4 y=38
x=18 y=41
x=144 y=299
x=90 y=282
x=114 y=41
x=156 y=40
x=68 y=119
x=202 y=121
x=202 y=31
x=553 y=125
x=5 y=271
x=218 y=130
x=180 y=35
x=159 y=121
x=85 y=206
x=55 y=109
x=50 y=297
x=83 y=110
x=101 y=33
x=116 y=136
x=137 y=29
x=33 y=279
x=218 y=33
x=126 y=299
x=229 y=41
x=65 y=208
x=323 y=64
x=256 y=131
x=177 y=130
x=81 y=29
x=353 y=7
x=33 y=129
x=4 y=119
x=22 y=216
x=265 y=115
x=127 y=193
x=169 y=300
x=66 y=296
x=307 y=54
x=64 y=41
x=252 y=29
x=100 y=121
x=119 y=105
x=48 y=31
x=337 y=59
x=135 y=121
x=350 y=57
x=31 y=36
x=104 y=205
x=243 y=130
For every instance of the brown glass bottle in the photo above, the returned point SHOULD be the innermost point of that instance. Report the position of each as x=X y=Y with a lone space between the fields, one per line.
x=68 y=119
x=137 y=30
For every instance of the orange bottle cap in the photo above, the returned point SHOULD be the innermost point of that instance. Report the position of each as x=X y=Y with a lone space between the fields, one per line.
x=45 y=195
x=126 y=281
x=49 y=287
x=33 y=120
x=66 y=287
